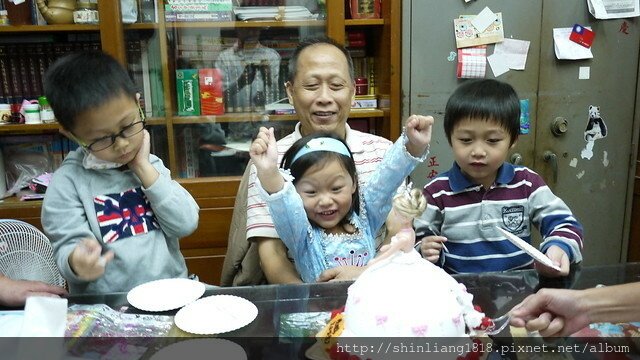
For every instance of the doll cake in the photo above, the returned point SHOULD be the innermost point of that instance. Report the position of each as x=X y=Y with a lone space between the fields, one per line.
x=402 y=294
x=406 y=296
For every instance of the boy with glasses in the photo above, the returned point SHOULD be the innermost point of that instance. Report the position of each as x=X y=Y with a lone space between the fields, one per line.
x=112 y=212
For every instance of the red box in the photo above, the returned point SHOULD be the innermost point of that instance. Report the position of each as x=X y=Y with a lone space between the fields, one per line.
x=364 y=9
x=211 y=99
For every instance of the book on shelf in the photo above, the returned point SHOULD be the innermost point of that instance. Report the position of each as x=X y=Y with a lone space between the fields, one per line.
x=155 y=78
x=5 y=76
x=146 y=79
x=280 y=107
x=147 y=11
x=159 y=142
x=14 y=73
x=199 y=7
x=273 y=13
x=187 y=91
x=134 y=67
x=211 y=99
x=368 y=102
x=187 y=152
x=171 y=16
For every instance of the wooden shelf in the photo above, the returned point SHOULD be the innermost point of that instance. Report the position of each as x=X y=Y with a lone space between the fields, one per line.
x=48 y=28
x=28 y=128
x=13 y=202
x=364 y=22
x=141 y=26
x=51 y=127
x=244 y=117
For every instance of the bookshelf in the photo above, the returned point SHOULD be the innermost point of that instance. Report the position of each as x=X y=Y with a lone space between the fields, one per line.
x=159 y=43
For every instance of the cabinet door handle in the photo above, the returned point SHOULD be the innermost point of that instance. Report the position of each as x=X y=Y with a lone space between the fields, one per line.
x=552 y=159
x=516 y=159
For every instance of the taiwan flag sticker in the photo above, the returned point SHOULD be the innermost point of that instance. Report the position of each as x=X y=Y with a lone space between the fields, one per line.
x=582 y=35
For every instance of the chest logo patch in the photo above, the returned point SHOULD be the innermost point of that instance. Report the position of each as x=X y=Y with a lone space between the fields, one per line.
x=513 y=217
x=123 y=215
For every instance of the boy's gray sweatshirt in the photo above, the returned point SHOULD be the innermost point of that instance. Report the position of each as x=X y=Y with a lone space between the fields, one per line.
x=141 y=226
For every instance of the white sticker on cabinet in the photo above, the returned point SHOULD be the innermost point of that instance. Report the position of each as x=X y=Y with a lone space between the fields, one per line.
x=573 y=163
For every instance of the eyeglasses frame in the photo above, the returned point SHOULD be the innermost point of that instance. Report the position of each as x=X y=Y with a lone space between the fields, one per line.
x=113 y=138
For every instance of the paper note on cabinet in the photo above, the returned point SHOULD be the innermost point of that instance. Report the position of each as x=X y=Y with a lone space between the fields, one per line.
x=614 y=9
x=467 y=35
x=566 y=49
x=514 y=52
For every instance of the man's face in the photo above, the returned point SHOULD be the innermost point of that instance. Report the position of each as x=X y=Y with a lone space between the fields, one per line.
x=322 y=91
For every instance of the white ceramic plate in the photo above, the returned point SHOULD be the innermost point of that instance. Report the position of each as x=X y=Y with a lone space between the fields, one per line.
x=201 y=349
x=526 y=247
x=165 y=294
x=216 y=314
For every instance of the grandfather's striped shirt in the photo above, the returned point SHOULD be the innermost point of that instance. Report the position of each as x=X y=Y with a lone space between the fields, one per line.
x=467 y=215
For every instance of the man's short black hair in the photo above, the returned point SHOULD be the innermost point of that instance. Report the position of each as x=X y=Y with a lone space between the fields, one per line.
x=293 y=61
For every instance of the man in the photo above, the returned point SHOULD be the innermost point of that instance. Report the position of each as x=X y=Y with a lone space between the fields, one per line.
x=321 y=88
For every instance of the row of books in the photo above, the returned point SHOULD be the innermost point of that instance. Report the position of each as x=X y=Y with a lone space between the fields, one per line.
x=145 y=68
x=22 y=67
x=226 y=10
x=198 y=10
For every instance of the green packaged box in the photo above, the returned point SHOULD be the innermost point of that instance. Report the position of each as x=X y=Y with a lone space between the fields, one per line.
x=188 y=92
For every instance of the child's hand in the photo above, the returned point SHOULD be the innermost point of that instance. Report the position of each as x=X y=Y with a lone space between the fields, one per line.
x=560 y=258
x=142 y=157
x=85 y=260
x=264 y=154
x=140 y=164
x=418 y=130
x=264 y=151
x=341 y=273
x=431 y=247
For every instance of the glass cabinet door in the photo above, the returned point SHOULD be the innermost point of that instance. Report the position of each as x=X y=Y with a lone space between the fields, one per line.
x=227 y=79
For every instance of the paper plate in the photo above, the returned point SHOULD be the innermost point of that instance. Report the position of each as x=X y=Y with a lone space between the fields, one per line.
x=216 y=314
x=165 y=294
x=526 y=247
x=201 y=349
x=317 y=352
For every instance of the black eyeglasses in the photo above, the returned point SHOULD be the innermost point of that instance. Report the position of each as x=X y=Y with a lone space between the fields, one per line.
x=108 y=141
x=126 y=132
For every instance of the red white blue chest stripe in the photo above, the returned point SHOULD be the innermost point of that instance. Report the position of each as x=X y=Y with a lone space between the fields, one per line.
x=123 y=215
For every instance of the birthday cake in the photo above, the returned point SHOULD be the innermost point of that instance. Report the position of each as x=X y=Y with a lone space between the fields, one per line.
x=407 y=296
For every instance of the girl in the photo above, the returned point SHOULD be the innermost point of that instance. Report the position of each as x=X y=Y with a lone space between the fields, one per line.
x=318 y=208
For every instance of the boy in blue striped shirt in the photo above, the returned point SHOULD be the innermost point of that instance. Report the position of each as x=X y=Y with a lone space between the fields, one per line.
x=482 y=191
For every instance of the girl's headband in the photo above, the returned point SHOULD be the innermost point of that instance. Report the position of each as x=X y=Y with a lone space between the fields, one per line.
x=322 y=144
